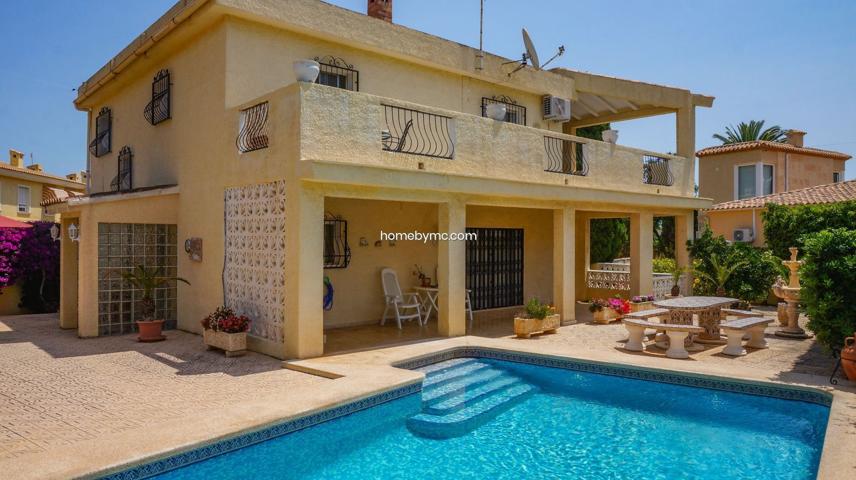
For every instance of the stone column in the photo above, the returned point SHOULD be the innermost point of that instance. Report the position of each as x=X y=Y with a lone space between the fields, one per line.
x=685 y=132
x=87 y=295
x=564 y=258
x=304 y=260
x=68 y=274
x=451 y=270
x=683 y=232
x=641 y=253
x=582 y=253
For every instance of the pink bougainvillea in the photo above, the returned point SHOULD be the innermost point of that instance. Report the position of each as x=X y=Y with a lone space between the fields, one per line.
x=10 y=245
x=30 y=257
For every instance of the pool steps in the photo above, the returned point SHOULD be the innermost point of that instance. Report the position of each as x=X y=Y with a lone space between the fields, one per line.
x=459 y=397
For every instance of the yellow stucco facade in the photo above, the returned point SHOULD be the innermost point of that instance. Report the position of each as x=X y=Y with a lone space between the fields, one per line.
x=325 y=145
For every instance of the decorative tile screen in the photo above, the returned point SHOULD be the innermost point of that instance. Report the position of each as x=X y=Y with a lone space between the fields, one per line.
x=253 y=271
x=121 y=247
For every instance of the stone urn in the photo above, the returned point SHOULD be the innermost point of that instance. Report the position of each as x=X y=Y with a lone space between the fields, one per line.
x=609 y=136
x=790 y=293
x=496 y=111
x=306 y=70
x=848 y=357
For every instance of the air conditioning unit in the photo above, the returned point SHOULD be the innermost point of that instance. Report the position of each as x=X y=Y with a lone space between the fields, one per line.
x=743 y=235
x=556 y=109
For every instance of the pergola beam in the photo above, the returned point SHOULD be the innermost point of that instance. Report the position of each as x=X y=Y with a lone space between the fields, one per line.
x=620 y=116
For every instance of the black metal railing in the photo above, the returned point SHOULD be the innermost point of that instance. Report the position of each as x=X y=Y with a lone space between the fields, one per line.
x=417 y=133
x=494 y=267
x=514 y=113
x=335 y=72
x=565 y=156
x=123 y=181
x=252 y=129
x=158 y=109
x=100 y=145
x=656 y=171
x=337 y=252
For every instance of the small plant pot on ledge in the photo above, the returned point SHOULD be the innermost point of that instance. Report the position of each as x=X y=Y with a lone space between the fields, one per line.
x=525 y=327
x=233 y=344
x=150 y=331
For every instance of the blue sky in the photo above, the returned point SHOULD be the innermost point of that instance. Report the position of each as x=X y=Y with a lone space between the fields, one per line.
x=790 y=62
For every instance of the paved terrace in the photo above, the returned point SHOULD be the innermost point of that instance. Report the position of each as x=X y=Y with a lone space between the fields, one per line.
x=70 y=407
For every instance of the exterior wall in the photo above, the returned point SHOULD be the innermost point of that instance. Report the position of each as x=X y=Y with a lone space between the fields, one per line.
x=9 y=299
x=716 y=174
x=9 y=200
x=725 y=222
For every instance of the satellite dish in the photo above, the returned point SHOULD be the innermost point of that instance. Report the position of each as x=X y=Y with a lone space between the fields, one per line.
x=531 y=54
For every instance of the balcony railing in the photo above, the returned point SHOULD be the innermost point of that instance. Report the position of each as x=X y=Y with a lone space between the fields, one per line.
x=565 y=156
x=656 y=171
x=619 y=281
x=417 y=133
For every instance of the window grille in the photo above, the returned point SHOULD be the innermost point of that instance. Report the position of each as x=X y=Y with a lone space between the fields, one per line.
x=514 y=113
x=123 y=180
x=100 y=145
x=656 y=171
x=565 y=156
x=158 y=109
x=252 y=129
x=337 y=252
x=494 y=267
x=418 y=133
x=335 y=72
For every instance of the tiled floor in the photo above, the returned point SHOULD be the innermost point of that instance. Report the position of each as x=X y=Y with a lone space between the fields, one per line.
x=56 y=389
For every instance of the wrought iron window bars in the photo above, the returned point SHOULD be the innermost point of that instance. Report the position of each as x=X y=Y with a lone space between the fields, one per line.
x=100 y=145
x=494 y=267
x=418 y=133
x=158 y=109
x=335 y=72
x=514 y=113
x=123 y=181
x=252 y=130
x=656 y=171
x=565 y=156
x=337 y=252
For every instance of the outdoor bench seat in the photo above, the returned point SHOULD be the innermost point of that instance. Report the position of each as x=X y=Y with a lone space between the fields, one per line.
x=676 y=333
x=737 y=313
x=646 y=314
x=735 y=330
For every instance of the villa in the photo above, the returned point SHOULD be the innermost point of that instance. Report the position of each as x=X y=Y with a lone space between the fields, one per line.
x=210 y=159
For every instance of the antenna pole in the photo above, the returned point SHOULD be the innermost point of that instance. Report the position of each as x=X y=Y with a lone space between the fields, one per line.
x=480 y=55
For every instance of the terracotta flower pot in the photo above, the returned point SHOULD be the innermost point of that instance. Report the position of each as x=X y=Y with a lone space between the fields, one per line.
x=848 y=358
x=150 y=331
x=676 y=290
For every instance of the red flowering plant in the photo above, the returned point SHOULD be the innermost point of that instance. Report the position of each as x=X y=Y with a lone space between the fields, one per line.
x=618 y=304
x=224 y=320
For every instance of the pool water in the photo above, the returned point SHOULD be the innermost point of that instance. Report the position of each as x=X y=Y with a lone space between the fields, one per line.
x=480 y=418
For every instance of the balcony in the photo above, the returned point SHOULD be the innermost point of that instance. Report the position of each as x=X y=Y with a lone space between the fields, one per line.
x=347 y=127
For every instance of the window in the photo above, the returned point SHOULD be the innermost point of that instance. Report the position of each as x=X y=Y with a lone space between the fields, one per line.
x=836 y=177
x=335 y=72
x=337 y=252
x=514 y=113
x=158 y=109
x=23 y=199
x=100 y=145
x=124 y=171
x=494 y=267
x=754 y=180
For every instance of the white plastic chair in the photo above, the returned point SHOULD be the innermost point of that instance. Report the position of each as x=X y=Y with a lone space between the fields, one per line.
x=401 y=303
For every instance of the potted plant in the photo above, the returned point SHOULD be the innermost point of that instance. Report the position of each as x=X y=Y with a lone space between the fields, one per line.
x=147 y=280
x=306 y=70
x=640 y=302
x=226 y=331
x=604 y=311
x=424 y=280
x=676 y=271
x=538 y=317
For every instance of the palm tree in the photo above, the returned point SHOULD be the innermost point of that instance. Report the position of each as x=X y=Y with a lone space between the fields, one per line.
x=148 y=280
x=748 y=132
x=719 y=273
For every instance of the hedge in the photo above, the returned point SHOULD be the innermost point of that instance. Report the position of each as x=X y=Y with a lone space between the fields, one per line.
x=784 y=227
x=828 y=280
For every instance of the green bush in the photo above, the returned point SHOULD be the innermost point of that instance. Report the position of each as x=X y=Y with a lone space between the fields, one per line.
x=750 y=282
x=663 y=265
x=785 y=226
x=828 y=278
x=536 y=309
x=610 y=239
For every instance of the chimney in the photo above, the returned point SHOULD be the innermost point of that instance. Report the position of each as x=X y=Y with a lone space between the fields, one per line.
x=36 y=167
x=381 y=9
x=795 y=137
x=16 y=158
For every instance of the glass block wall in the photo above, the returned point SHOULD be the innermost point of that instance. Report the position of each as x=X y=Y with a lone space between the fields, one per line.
x=121 y=247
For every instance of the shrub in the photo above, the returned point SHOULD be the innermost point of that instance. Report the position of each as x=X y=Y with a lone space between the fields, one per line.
x=786 y=226
x=828 y=277
x=536 y=309
x=613 y=239
x=618 y=304
x=224 y=320
x=663 y=265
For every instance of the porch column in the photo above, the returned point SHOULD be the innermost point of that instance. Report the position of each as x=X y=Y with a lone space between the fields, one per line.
x=564 y=258
x=304 y=261
x=87 y=294
x=685 y=131
x=451 y=270
x=684 y=232
x=582 y=253
x=641 y=253
x=68 y=274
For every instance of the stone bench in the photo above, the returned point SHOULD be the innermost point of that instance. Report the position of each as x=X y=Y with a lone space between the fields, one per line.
x=646 y=314
x=736 y=328
x=737 y=313
x=676 y=333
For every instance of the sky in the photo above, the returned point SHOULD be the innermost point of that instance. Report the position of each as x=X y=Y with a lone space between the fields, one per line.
x=789 y=62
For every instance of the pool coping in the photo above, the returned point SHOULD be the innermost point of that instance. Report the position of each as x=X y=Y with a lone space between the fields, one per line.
x=167 y=461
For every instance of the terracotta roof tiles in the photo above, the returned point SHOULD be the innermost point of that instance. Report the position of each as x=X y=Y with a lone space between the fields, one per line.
x=767 y=145
x=829 y=193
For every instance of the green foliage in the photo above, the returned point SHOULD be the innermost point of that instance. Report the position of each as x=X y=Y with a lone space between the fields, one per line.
x=738 y=270
x=663 y=265
x=147 y=280
x=747 y=132
x=594 y=131
x=664 y=237
x=785 y=227
x=536 y=309
x=610 y=239
x=828 y=278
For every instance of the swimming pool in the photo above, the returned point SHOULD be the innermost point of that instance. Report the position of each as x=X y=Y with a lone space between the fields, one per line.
x=493 y=418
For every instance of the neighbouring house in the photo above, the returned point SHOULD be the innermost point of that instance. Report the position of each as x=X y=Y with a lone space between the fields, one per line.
x=24 y=193
x=227 y=171
x=731 y=173
x=727 y=217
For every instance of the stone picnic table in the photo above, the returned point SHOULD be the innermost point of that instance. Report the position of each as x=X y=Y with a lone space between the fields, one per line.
x=708 y=309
